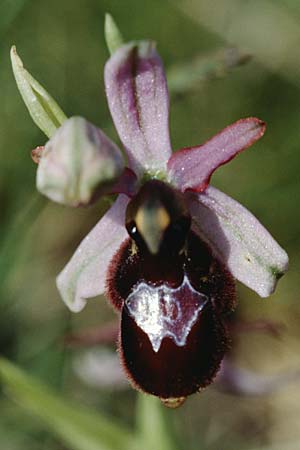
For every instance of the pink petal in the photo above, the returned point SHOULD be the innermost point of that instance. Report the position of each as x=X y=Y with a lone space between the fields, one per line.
x=191 y=168
x=85 y=274
x=139 y=104
x=239 y=240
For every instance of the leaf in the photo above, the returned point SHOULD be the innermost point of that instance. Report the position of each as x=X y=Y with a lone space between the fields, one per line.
x=43 y=109
x=78 y=427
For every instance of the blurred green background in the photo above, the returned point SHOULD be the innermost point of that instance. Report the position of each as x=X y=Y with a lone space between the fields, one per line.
x=202 y=43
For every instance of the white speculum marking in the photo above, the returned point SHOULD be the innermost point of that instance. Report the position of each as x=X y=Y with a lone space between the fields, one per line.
x=162 y=311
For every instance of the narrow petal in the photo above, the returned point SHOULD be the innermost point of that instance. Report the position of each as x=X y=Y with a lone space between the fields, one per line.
x=138 y=100
x=239 y=240
x=191 y=168
x=85 y=274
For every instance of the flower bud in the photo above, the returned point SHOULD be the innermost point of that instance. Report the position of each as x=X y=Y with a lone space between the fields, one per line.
x=77 y=163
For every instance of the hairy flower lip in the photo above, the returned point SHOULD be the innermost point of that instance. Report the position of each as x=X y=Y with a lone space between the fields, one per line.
x=149 y=359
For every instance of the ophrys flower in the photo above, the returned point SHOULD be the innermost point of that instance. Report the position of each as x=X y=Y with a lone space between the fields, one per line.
x=167 y=252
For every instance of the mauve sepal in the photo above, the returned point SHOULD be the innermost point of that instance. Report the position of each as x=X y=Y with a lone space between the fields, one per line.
x=78 y=163
x=85 y=274
x=138 y=99
x=191 y=168
x=239 y=240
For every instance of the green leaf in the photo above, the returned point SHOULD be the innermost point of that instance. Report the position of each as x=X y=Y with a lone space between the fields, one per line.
x=78 y=427
x=154 y=431
x=113 y=36
x=43 y=109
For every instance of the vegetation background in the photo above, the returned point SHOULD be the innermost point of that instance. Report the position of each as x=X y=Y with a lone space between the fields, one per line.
x=205 y=46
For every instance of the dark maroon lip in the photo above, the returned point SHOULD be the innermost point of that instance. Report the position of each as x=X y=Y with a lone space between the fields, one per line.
x=174 y=306
x=174 y=371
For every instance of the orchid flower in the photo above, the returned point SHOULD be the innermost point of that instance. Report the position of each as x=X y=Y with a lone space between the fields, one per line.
x=167 y=252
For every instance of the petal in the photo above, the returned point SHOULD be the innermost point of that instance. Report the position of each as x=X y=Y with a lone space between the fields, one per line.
x=191 y=168
x=139 y=104
x=85 y=274
x=239 y=240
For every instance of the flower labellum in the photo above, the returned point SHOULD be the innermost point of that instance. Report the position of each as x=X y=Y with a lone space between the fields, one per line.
x=174 y=301
x=77 y=163
x=168 y=251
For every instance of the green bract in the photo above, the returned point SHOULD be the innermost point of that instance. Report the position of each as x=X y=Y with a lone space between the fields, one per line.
x=113 y=36
x=44 y=110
